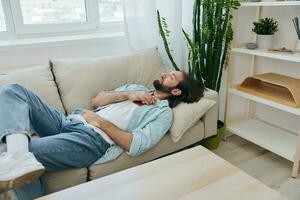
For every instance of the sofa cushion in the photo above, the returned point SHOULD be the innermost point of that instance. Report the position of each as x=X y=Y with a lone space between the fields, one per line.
x=79 y=80
x=60 y=180
x=187 y=115
x=40 y=80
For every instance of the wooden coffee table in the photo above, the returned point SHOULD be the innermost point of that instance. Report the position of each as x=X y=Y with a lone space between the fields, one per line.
x=196 y=173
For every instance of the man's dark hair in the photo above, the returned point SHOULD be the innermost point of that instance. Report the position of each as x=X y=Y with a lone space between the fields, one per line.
x=191 y=91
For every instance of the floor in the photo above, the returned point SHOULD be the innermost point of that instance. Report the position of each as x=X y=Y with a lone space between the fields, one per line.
x=272 y=170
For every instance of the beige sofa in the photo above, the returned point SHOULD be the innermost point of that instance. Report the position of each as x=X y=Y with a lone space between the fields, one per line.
x=69 y=83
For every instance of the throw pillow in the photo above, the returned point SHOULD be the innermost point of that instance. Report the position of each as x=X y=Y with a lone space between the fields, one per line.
x=186 y=115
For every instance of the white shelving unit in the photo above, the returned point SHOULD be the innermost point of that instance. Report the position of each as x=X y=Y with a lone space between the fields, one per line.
x=270 y=137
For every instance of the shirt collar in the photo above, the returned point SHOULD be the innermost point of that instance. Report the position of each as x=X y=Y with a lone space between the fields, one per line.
x=162 y=103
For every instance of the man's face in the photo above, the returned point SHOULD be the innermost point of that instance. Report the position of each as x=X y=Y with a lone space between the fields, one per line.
x=168 y=81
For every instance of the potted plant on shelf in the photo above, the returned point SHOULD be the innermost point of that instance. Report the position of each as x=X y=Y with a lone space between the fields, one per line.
x=265 y=29
x=208 y=47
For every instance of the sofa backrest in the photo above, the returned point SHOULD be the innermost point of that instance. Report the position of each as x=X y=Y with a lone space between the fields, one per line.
x=79 y=80
x=40 y=80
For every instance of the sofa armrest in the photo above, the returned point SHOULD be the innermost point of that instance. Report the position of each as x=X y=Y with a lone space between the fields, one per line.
x=211 y=117
x=211 y=94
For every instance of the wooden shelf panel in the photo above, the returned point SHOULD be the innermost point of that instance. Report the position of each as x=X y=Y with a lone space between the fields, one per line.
x=279 y=141
x=264 y=53
x=295 y=111
x=271 y=3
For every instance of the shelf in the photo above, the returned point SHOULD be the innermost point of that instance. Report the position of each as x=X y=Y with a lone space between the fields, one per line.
x=295 y=111
x=264 y=53
x=271 y=3
x=279 y=141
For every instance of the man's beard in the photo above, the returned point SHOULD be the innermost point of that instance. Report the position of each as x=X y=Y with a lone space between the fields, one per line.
x=160 y=87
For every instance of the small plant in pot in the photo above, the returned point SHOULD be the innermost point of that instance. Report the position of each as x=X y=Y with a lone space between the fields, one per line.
x=265 y=29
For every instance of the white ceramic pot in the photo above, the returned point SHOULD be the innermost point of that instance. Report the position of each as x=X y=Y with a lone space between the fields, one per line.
x=264 y=41
x=297 y=46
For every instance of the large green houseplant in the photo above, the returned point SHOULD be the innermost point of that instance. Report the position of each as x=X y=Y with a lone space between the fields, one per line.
x=210 y=42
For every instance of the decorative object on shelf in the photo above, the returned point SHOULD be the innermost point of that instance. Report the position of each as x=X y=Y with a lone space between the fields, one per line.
x=296 y=25
x=275 y=87
x=265 y=29
x=281 y=50
x=212 y=36
x=251 y=45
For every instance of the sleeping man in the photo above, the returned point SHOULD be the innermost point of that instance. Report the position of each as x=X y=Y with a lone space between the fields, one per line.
x=132 y=118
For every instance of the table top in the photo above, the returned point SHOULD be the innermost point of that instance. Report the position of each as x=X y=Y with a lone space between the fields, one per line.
x=191 y=174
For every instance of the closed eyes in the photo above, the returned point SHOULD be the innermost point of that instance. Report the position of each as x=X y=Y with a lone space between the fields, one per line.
x=173 y=76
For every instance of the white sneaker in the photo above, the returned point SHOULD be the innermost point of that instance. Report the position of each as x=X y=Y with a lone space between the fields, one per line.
x=18 y=170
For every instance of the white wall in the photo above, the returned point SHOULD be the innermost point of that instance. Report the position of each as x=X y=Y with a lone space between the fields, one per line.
x=12 y=58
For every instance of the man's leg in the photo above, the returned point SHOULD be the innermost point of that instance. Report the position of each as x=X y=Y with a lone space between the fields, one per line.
x=21 y=109
x=35 y=189
x=63 y=151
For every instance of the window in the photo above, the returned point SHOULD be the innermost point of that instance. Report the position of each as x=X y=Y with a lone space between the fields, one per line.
x=53 y=12
x=31 y=18
x=2 y=20
x=48 y=16
x=110 y=10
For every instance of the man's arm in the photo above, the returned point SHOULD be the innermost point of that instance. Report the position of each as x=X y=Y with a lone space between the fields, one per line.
x=108 y=97
x=119 y=136
x=142 y=140
x=146 y=137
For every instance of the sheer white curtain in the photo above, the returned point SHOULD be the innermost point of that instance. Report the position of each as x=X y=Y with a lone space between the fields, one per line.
x=142 y=29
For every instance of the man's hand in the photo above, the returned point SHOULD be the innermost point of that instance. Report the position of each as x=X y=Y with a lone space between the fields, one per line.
x=144 y=97
x=90 y=116
x=122 y=138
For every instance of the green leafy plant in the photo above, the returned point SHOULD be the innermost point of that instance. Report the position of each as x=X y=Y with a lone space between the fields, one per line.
x=266 y=26
x=212 y=36
x=164 y=32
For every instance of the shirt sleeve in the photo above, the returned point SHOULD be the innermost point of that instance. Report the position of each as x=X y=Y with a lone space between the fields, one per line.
x=131 y=87
x=147 y=137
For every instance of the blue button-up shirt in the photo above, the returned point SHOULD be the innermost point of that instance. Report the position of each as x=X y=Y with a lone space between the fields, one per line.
x=148 y=125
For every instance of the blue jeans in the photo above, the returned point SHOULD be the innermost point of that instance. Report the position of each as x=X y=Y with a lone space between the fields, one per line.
x=63 y=143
